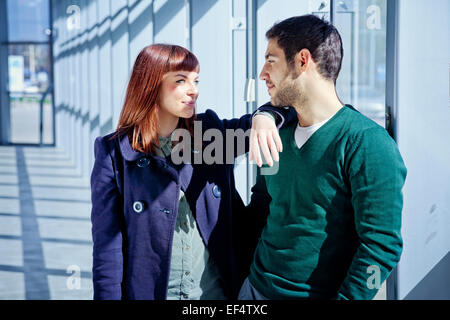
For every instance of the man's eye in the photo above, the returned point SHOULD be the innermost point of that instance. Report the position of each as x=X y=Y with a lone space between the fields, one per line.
x=270 y=61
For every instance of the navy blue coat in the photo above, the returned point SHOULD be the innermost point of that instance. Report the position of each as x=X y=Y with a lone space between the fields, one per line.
x=134 y=208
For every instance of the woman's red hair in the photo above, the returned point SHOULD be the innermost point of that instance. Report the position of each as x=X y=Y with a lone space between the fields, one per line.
x=139 y=119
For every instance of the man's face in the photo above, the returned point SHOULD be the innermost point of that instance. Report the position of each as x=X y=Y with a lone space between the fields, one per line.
x=279 y=78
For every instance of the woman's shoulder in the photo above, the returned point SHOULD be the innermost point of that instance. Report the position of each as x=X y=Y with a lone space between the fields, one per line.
x=106 y=144
x=108 y=139
x=208 y=115
x=209 y=118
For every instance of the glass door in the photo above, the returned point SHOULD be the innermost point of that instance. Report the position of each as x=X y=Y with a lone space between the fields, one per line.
x=30 y=97
x=362 y=80
x=29 y=89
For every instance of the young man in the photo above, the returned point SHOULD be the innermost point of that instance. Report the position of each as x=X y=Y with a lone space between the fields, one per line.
x=334 y=206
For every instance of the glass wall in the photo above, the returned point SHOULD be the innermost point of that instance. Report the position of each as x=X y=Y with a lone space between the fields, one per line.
x=29 y=72
x=362 y=81
x=28 y=20
x=362 y=26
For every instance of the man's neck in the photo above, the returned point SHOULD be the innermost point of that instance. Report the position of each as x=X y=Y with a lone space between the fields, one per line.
x=317 y=107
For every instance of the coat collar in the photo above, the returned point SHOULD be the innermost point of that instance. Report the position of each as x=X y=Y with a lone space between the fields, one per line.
x=127 y=151
x=130 y=154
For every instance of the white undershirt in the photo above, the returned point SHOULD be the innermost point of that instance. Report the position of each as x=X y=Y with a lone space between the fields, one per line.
x=302 y=134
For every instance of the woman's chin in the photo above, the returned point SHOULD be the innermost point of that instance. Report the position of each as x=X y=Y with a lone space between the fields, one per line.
x=186 y=114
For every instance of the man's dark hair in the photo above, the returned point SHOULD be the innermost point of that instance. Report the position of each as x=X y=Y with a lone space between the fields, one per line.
x=320 y=37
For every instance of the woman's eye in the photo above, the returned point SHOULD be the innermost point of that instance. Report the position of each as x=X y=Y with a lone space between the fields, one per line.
x=181 y=81
x=197 y=81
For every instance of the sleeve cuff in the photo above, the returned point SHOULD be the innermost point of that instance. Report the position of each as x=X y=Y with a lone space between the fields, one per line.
x=269 y=114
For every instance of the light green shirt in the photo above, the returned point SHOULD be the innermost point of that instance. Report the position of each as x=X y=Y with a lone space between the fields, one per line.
x=193 y=275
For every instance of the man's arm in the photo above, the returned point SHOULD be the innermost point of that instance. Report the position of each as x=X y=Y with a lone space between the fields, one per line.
x=280 y=115
x=237 y=142
x=376 y=173
x=266 y=139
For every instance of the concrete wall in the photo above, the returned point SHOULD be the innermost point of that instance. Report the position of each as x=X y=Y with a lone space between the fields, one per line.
x=423 y=118
x=93 y=62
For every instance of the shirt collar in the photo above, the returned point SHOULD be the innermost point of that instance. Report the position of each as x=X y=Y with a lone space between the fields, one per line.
x=165 y=146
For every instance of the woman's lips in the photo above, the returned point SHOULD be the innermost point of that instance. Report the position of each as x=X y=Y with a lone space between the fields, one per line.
x=189 y=103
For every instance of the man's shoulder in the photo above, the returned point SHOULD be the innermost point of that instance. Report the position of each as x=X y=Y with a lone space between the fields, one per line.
x=358 y=124
x=365 y=134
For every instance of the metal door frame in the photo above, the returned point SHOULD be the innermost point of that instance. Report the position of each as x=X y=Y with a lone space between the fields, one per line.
x=5 y=125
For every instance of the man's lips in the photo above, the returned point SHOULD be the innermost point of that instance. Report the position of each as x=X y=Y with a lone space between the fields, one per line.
x=270 y=86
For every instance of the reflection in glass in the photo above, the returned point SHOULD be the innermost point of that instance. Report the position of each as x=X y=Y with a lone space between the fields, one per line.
x=29 y=72
x=320 y=8
x=28 y=20
x=29 y=67
x=362 y=25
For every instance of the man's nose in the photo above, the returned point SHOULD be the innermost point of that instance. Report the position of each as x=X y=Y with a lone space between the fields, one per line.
x=263 y=75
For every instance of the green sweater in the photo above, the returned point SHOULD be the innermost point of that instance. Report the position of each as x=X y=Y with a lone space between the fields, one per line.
x=335 y=213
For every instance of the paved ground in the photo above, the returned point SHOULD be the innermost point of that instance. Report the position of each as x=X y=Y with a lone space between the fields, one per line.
x=45 y=229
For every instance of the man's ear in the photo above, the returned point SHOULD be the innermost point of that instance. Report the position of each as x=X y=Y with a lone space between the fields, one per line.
x=302 y=59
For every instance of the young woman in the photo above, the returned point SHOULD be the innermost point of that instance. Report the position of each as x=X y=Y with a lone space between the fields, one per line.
x=163 y=230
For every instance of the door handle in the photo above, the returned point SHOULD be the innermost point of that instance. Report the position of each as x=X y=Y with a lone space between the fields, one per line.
x=249 y=92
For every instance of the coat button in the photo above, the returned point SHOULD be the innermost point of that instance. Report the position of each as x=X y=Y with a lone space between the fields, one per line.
x=216 y=191
x=143 y=162
x=138 y=206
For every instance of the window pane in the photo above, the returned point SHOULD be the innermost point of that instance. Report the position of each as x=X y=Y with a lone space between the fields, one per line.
x=361 y=82
x=24 y=117
x=28 y=78
x=47 y=120
x=29 y=67
x=28 y=20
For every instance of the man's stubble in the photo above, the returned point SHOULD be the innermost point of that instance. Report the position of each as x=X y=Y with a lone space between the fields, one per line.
x=290 y=93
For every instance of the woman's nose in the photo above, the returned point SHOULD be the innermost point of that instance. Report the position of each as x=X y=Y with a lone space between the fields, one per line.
x=193 y=90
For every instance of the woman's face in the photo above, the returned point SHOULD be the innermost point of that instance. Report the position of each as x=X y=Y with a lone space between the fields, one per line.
x=178 y=94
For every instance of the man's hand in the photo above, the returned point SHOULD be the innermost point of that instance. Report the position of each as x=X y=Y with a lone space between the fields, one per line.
x=264 y=136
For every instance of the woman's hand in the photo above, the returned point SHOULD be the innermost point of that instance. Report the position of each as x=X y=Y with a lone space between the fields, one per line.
x=264 y=136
